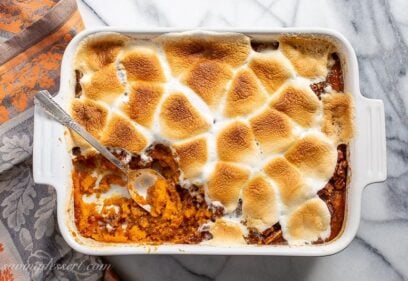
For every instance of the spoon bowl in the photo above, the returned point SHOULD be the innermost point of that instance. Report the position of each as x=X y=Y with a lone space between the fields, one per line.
x=139 y=183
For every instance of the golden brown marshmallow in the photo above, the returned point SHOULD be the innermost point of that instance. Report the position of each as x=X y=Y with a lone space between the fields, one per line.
x=299 y=103
x=236 y=143
x=183 y=51
x=244 y=96
x=314 y=155
x=338 y=116
x=91 y=115
x=309 y=222
x=259 y=204
x=270 y=71
x=96 y=53
x=209 y=79
x=289 y=181
x=123 y=134
x=104 y=85
x=225 y=183
x=144 y=98
x=193 y=155
x=142 y=64
x=179 y=119
x=225 y=233
x=273 y=130
x=309 y=56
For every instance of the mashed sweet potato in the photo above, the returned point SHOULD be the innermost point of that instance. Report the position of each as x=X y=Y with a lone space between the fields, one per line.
x=175 y=215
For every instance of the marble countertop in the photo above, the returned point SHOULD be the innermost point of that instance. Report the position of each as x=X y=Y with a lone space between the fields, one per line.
x=378 y=30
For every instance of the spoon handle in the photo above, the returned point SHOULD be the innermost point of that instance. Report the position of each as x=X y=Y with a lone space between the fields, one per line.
x=55 y=110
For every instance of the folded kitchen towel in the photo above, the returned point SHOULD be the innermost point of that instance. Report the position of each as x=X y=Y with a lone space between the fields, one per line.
x=33 y=36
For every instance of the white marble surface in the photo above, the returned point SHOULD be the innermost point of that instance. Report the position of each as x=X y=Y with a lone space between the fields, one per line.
x=378 y=30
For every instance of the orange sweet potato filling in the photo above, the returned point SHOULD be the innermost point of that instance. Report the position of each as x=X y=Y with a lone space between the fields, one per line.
x=174 y=218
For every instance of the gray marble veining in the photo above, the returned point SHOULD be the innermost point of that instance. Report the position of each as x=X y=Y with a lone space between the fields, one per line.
x=378 y=30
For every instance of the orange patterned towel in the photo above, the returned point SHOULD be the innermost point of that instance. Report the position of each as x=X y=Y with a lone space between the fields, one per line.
x=36 y=33
x=33 y=36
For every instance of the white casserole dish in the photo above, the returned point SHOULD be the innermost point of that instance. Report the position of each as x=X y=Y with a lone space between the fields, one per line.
x=52 y=158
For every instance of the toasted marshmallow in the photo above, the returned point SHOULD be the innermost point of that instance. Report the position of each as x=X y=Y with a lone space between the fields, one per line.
x=308 y=55
x=307 y=223
x=236 y=143
x=104 y=85
x=193 y=155
x=225 y=183
x=273 y=130
x=338 y=117
x=143 y=101
x=314 y=155
x=123 y=134
x=244 y=96
x=142 y=64
x=225 y=233
x=270 y=70
x=260 y=208
x=209 y=79
x=184 y=51
x=92 y=116
x=95 y=53
x=289 y=181
x=179 y=119
x=299 y=103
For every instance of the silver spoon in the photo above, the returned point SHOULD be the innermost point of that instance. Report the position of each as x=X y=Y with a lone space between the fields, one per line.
x=139 y=181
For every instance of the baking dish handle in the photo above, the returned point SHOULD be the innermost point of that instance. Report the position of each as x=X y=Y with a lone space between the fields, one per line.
x=373 y=132
x=44 y=148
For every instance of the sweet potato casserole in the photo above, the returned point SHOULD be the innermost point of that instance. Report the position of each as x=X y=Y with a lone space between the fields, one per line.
x=250 y=138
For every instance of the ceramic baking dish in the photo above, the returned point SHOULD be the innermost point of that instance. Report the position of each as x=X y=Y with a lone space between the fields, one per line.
x=52 y=158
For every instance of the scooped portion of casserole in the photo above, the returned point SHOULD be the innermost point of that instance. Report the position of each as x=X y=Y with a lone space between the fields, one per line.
x=250 y=138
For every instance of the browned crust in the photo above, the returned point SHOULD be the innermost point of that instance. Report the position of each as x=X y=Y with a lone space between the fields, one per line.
x=338 y=116
x=308 y=55
x=259 y=204
x=273 y=130
x=244 y=96
x=270 y=71
x=104 y=85
x=122 y=133
x=209 y=79
x=100 y=51
x=236 y=142
x=225 y=184
x=313 y=156
x=184 y=51
x=193 y=155
x=143 y=100
x=179 y=119
x=300 y=104
x=144 y=65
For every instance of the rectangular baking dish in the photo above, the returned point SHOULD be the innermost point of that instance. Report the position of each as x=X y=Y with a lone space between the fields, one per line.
x=52 y=159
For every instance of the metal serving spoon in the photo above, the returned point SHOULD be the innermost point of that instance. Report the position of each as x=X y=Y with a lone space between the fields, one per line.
x=138 y=181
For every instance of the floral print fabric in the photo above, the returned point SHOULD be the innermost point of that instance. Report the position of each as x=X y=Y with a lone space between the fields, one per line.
x=34 y=34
